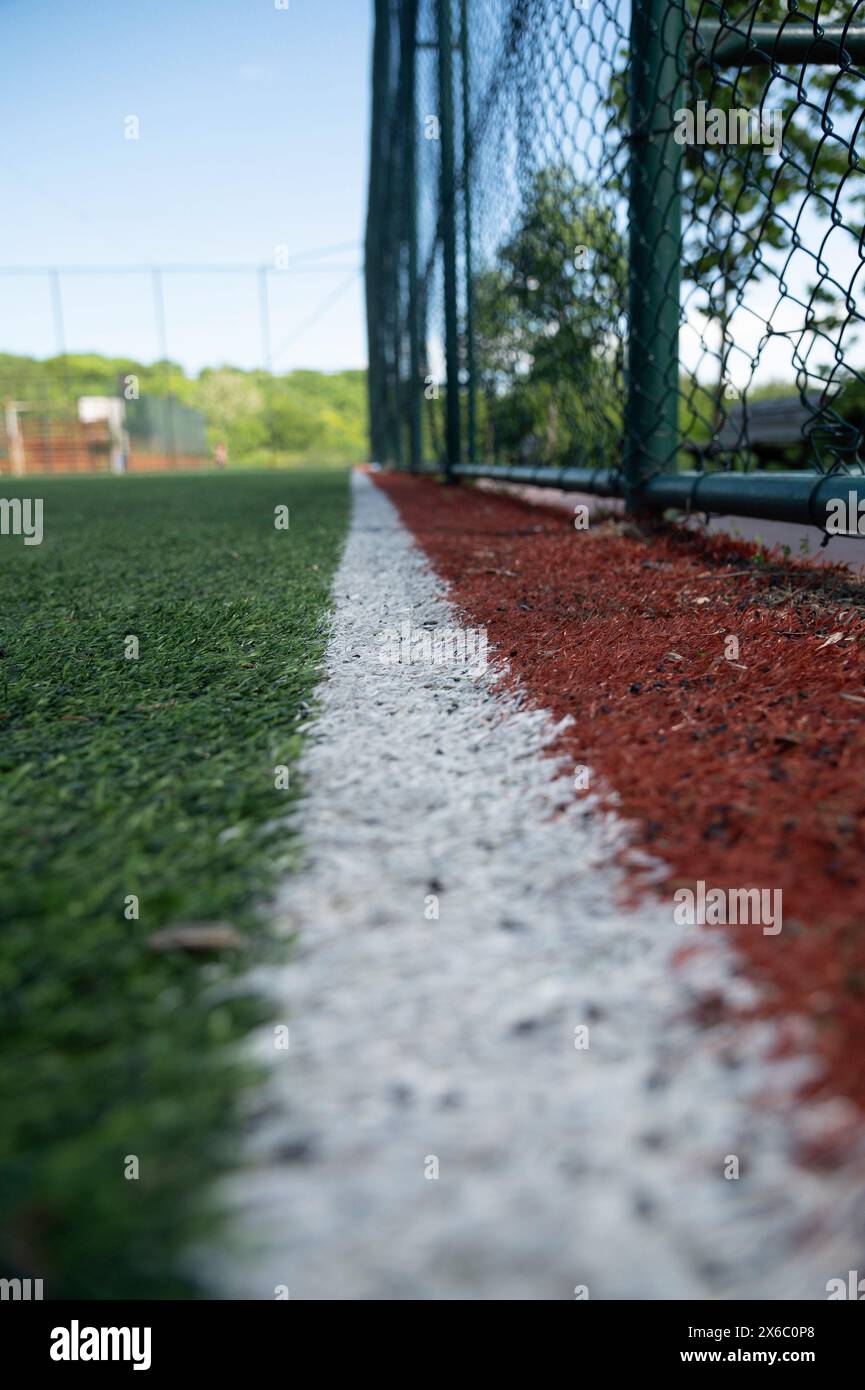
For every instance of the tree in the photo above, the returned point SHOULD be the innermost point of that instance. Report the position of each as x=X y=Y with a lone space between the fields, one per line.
x=548 y=317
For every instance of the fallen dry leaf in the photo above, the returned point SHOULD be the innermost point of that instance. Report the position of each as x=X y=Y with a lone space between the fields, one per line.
x=197 y=936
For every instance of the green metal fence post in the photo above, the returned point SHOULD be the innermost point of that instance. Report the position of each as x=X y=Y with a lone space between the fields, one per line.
x=389 y=155
x=409 y=58
x=449 y=232
x=374 y=247
x=655 y=216
x=471 y=435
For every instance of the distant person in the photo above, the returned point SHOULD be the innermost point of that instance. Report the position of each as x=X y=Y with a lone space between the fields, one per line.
x=220 y=455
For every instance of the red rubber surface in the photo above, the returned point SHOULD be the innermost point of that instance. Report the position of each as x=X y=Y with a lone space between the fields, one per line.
x=740 y=777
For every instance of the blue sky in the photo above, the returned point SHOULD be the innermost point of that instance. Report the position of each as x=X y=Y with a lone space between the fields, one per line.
x=253 y=137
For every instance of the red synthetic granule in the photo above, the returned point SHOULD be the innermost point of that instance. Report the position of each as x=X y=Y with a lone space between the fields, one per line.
x=740 y=775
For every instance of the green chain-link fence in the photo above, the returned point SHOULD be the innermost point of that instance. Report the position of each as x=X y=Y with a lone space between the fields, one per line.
x=619 y=247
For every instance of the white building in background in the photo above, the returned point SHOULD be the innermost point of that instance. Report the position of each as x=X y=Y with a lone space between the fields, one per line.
x=93 y=410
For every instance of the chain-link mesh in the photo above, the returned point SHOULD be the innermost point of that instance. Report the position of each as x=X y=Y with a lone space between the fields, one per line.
x=656 y=232
x=773 y=243
x=550 y=279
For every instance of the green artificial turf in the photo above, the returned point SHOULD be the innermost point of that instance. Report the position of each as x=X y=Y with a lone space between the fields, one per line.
x=152 y=777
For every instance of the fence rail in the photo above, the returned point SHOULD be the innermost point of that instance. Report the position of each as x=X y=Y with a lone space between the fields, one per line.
x=619 y=247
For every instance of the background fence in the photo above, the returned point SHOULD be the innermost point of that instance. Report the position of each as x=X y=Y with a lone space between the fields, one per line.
x=174 y=366
x=619 y=247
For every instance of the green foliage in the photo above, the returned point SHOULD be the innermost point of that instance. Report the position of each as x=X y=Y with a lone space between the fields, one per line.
x=233 y=403
x=151 y=777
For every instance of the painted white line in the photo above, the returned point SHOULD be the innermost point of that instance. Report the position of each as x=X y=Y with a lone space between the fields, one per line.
x=413 y=1040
